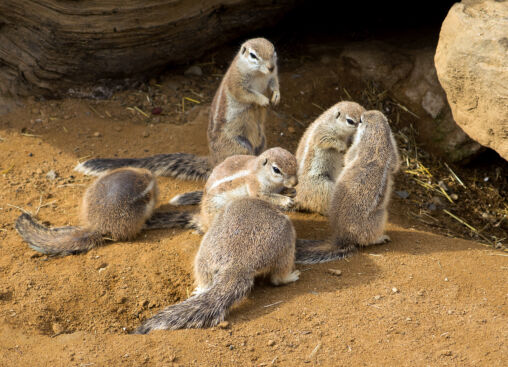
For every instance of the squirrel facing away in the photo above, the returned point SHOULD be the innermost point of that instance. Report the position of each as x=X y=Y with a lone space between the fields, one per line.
x=249 y=237
x=320 y=154
x=116 y=205
x=270 y=176
x=236 y=124
x=358 y=207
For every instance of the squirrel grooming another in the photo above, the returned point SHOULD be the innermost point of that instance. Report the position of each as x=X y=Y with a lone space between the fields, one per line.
x=358 y=208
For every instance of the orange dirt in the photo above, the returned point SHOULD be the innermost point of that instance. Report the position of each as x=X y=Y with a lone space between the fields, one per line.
x=421 y=300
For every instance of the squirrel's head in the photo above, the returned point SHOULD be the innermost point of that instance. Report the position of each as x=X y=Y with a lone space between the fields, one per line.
x=258 y=54
x=347 y=115
x=278 y=166
x=374 y=129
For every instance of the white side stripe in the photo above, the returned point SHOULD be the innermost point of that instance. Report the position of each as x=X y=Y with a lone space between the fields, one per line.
x=230 y=178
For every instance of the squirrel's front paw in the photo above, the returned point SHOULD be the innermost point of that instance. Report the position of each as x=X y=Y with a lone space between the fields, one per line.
x=275 y=97
x=287 y=203
x=263 y=100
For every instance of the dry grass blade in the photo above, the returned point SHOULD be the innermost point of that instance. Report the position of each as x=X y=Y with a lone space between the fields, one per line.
x=197 y=94
x=445 y=194
x=460 y=221
x=318 y=106
x=404 y=108
x=468 y=226
x=192 y=100
x=455 y=176
x=30 y=135
x=314 y=351
x=7 y=170
x=84 y=158
x=23 y=210
x=141 y=111
x=95 y=111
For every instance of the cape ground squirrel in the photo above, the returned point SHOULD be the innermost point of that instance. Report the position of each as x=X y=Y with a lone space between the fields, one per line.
x=270 y=176
x=358 y=208
x=237 y=118
x=320 y=154
x=116 y=205
x=247 y=238
x=320 y=157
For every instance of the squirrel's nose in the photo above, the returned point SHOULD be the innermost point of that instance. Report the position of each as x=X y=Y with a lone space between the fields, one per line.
x=270 y=68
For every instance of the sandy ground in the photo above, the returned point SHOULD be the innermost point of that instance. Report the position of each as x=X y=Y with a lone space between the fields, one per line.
x=421 y=300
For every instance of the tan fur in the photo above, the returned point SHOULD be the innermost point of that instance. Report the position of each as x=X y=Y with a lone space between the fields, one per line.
x=116 y=205
x=238 y=111
x=320 y=154
x=237 y=118
x=247 y=238
x=358 y=208
x=249 y=176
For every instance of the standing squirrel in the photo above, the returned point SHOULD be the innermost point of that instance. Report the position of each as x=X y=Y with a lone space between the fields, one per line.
x=247 y=238
x=320 y=154
x=270 y=176
x=358 y=208
x=236 y=124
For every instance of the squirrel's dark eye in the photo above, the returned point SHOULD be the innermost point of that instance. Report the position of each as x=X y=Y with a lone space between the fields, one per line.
x=350 y=122
x=253 y=55
x=276 y=170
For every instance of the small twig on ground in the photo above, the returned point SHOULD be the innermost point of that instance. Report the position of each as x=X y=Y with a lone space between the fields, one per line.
x=314 y=351
x=43 y=205
x=95 y=111
x=273 y=304
x=23 y=210
x=318 y=106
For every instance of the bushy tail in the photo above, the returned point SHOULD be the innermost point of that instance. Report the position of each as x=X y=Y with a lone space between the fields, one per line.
x=188 y=198
x=319 y=251
x=173 y=219
x=205 y=309
x=179 y=165
x=61 y=240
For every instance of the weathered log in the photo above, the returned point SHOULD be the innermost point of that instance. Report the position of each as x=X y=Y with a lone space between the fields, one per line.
x=49 y=46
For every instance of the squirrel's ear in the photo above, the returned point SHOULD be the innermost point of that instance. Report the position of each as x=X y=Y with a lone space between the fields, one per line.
x=265 y=162
x=338 y=115
x=243 y=50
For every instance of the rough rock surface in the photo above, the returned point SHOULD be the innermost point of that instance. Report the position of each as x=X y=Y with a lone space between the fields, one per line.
x=410 y=76
x=50 y=46
x=472 y=66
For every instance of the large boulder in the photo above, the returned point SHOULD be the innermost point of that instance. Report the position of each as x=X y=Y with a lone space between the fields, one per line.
x=408 y=73
x=472 y=66
x=49 y=46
